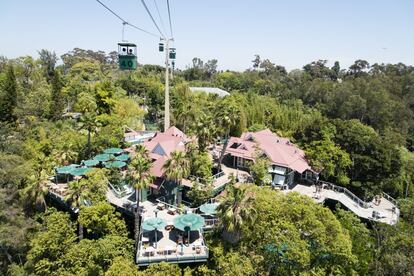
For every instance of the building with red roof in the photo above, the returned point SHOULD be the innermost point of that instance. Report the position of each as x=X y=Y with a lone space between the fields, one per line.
x=160 y=147
x=287 y=160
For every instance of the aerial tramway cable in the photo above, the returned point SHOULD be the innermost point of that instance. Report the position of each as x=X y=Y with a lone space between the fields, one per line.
x=124 y=22
x=169 y=17
x=160 y=17
x=152 y=18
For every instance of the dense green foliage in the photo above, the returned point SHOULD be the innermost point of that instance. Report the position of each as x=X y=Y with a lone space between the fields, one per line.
x=355 y=124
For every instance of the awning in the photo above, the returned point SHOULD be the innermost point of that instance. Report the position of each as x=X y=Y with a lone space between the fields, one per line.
x=103 y=157
x=90 y=162
x=80 y=171
x=238 y=154
x=115 y=164
x=113 y=151
x=123 y=157
x=65 y=170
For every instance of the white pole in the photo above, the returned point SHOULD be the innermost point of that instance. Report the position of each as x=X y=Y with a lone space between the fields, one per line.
x=167 y=88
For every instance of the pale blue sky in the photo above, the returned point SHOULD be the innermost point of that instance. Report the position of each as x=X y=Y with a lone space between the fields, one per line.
x=290 y=32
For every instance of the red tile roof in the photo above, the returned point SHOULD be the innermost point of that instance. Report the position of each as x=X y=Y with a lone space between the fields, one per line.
x=161 y=146
x=280 y=151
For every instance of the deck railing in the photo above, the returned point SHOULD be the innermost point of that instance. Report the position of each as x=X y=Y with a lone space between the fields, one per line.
x=205 y=181
x=347 y=192
x=175 y=257
x=211 y=222
x=390 y=198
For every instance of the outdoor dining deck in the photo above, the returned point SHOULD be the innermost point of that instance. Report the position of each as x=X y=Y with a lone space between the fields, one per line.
x=168 y=243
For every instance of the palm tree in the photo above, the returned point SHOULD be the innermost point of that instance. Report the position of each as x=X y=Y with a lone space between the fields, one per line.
x=176 y=168
x=89 y=122
x=66 y=155
x=139 y=173
x=76 y=194
x=227 y=114
x=204 y=131
x=234 y=211
x=36 y=190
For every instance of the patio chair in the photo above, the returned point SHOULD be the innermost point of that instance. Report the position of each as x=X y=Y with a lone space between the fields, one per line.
x=169 y=227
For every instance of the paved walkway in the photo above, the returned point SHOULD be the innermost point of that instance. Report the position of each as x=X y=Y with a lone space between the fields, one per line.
x=384 y=208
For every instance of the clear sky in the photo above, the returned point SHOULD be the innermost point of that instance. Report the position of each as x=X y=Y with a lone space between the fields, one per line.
x=289 y=32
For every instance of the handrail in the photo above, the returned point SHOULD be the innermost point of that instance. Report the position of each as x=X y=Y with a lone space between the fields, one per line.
x=167 y=204
x=204 y=181
x=211 y=221
x=347 y=192
x=390 y=198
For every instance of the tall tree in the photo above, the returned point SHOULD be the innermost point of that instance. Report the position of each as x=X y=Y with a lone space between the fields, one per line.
x=48 y=247
x=57 y=104
x=77 y=194
x=48 y=61
x=226 y=115
x=260 y=169
x=90 y=123
x=89 y=189
x=235 y=209
x=256 y=62
x=36 y=190
x=8 y=97
x=176 y=168
x=204 y=131
x=139 y=172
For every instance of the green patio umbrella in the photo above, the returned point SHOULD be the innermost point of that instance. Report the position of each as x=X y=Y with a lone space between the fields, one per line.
x=80 y=171
x=123 y=157
x=209 y=208
x=102 y=157
x=113 y=151
x=115 y=164
x=191 y=221
x=90 y=162
x=154 y=224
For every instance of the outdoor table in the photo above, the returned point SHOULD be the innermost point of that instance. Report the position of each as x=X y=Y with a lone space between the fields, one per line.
x=197 y=243
x=145 y=239
x=161 y=206
x=169 y=227
x=168 y=249
x=149 y=251
x=172 y=211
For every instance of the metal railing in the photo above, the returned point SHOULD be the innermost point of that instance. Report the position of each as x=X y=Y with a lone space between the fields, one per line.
x=347 y=192
x=176 y=257
x=390 y=198
x=118 y=192
x=209 y=223
x=206 y=181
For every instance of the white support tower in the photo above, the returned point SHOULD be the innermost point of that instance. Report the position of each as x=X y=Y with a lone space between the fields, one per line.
x=167 y=85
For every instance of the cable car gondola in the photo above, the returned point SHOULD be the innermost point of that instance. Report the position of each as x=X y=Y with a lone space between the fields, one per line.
x=127 y=55
x=172 y=53
x=161 y=47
